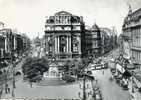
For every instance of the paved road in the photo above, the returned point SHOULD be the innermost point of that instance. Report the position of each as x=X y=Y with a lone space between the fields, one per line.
x=110 y=89
x=51 y=82
x=24 y=90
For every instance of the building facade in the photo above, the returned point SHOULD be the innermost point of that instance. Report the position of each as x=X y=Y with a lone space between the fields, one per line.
x=64 y=34
x=108 y=39
x=11 y=42
x=93 y=41
x=99 y=41
x=132 y=35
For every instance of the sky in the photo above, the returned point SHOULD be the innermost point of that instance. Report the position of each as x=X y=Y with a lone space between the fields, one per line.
x=28 y=16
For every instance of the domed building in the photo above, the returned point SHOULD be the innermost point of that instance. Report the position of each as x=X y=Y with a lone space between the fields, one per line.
x=64 y=33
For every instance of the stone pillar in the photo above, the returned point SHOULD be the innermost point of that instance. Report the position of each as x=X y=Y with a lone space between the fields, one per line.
x=6 y=45
x=69 y=44
x=58 y=45
x=55 y=44
x=79 y=46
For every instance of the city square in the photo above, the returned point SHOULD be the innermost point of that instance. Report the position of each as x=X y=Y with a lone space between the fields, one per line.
x=74 y=50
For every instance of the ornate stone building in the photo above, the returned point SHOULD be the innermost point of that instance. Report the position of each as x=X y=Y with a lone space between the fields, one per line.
x=64 y=34
x=93 y=41
x=98 y=41
x=132 y=36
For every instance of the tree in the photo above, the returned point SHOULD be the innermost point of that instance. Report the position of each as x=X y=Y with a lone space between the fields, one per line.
x=34 y=67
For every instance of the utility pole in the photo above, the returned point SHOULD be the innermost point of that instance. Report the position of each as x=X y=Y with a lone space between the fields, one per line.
x=13 y=74
x=84 y=97
x=85 y=87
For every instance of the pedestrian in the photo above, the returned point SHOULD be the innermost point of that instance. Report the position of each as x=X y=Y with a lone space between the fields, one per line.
x=31 y=84
x=96 y=81
x=103 y=72
x=8 y=89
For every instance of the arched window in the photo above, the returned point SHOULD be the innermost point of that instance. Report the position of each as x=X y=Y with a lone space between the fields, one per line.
x=63 y=44
x=75 y=45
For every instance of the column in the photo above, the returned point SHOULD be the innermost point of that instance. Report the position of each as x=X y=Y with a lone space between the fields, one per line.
x=55 y=44
x=79 y=45
x=58 y=45
x=67 y=44
x=6 y=44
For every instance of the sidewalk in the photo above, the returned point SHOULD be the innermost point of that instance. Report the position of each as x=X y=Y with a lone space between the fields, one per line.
x=9 y=95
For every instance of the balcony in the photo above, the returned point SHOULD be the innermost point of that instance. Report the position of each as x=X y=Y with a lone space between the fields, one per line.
x=136 y=48
x=60 y=24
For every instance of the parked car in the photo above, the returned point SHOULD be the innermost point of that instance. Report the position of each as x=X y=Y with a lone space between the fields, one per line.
x=113 y=70
x=89 y=72
x=125 y=87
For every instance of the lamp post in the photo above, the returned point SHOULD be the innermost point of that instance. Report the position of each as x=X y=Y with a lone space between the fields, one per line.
x=13 y=74
x=85 y=87
x=6 y=85
x=132 y=82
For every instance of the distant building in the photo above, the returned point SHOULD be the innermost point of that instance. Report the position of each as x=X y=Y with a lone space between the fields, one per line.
x=64 y=34
x=108 y=39
x=6 y=33
x=96 y=41
x=99 y=41
x=37 y=41
x=93 y=41
x=11 y=42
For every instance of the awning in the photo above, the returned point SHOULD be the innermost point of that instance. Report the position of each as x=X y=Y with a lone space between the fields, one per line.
x=120 y=68
x=130 y=66
x=138 y=77
x=137 y=65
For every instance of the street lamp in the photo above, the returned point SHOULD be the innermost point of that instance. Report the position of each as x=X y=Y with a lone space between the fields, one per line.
x=13 y=74
x=6 y=85
x=132 y=82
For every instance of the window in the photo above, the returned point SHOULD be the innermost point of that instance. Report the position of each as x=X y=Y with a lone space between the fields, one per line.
x=50 y=49
x=75 y=48
x=67 y=28
x=48 y=28
x=58 y=28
